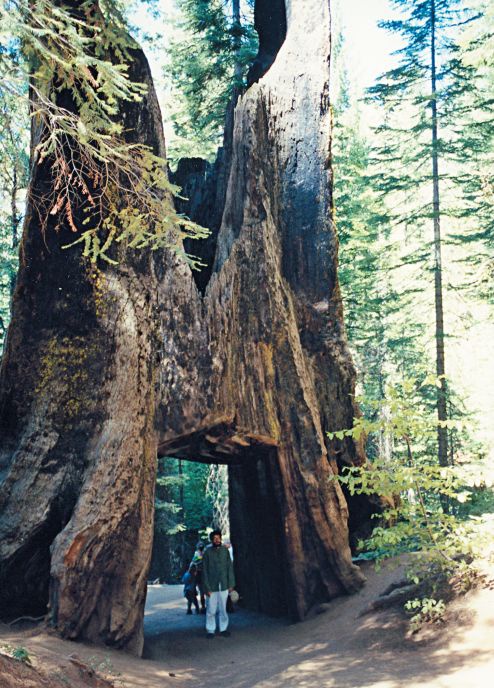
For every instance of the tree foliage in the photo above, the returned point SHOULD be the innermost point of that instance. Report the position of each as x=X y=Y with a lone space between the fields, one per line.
x=182 y=503
x=184 y=511
x=385 y=257
x=106 y=186
x=14 y=170
x=424 y=152
x=444 y=543
x=463 y=103
x=209 y=59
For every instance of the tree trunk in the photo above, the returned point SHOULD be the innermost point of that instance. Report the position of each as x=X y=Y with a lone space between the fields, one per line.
x=442 y=413
x=105 y=368
x=237 y=43
x=271 y=371
x=77 y=404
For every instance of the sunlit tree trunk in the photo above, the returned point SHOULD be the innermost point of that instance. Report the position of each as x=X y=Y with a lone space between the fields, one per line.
x=442 y=415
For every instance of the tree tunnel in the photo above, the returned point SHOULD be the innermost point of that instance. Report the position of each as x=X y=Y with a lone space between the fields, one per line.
x=256 y=524
x=106 y=366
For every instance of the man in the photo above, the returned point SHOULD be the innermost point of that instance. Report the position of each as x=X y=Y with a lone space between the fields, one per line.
x=218 y=580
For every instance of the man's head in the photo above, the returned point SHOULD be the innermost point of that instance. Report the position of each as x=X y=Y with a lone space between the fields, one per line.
x=200 y=546
x=215 y=537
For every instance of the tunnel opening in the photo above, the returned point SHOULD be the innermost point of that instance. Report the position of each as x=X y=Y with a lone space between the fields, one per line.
x=191 y=500
x=238 y=478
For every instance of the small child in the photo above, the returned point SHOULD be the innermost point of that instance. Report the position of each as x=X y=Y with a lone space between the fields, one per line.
x=190 y=589
x=197 y=560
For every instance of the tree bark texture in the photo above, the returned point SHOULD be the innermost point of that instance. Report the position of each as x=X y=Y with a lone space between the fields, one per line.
x=78 y=447
x=269 y=334
x=106 y=368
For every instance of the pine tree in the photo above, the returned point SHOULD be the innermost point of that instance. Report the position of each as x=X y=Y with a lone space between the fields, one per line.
x=421 y=133
x=14 y=143
x=380 y=319
x=183 y=511
x=217 y=45
x=475 y=66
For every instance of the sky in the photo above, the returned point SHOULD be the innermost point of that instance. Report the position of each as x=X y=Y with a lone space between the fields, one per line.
x=368 y=49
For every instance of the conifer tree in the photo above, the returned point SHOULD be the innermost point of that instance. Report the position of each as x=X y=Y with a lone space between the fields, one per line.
x=14 y=142
x=77 y=59
x=216 y=47
x=382 y=327
x=475 y=177
x=421 y=133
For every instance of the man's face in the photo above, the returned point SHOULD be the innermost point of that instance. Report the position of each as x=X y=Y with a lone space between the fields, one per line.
x=216 y=540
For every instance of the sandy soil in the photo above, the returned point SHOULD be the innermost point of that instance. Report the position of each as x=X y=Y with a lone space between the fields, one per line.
x=335 y=649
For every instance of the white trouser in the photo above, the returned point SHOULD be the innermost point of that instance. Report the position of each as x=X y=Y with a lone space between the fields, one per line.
x=216 y=602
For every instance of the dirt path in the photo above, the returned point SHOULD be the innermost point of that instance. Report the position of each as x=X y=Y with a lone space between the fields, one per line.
x=336 y=649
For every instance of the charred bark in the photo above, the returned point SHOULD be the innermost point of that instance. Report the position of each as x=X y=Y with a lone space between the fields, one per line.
x=270 y=24
x=106 y=368
x=77 y=406
x=270 y=330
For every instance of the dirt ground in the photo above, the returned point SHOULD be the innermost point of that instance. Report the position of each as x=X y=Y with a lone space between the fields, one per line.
x=334 y=649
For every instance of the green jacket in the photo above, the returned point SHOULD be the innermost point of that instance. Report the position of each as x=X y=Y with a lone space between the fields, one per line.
x=217 y=569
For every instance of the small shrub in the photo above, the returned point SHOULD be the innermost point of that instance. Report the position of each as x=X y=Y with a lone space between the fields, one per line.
x=102 y=666
x=21 y=654
x=425 y=610
x=426 y=504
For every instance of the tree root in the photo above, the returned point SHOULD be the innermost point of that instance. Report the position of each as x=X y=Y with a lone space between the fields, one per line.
x=26 y=618
x=397 y=596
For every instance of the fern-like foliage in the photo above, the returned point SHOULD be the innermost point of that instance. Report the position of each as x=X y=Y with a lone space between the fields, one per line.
x=76 y=57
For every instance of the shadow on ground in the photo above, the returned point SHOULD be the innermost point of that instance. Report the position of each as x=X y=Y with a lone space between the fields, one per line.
x=337 y=649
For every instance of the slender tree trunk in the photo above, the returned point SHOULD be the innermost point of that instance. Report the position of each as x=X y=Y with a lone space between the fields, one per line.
x=181 y=502
x=15 y=223
x=237 y=42
x=442 y=415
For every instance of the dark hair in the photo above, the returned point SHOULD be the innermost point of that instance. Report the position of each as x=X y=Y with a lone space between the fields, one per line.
x=200 y=545
x=213 y=533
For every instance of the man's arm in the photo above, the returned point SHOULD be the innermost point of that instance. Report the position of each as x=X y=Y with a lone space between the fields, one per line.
x=230 y=572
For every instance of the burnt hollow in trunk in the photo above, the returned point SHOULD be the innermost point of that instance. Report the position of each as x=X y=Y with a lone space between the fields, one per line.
x=201 y=199
x=204 y=185
x=270 y=24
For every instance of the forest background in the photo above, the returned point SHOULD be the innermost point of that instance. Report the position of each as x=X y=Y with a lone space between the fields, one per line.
x=413 y=163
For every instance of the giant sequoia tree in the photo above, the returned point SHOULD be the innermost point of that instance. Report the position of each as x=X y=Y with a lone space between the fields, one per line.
x=108 y=366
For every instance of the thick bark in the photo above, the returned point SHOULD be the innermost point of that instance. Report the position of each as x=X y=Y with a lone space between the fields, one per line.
x=251 y=374
x=271 y=371
x=78 y=443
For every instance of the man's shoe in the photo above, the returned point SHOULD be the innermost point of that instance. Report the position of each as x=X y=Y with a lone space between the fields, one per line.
x=225 y=634
x=189 y=611
x=209 y=636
